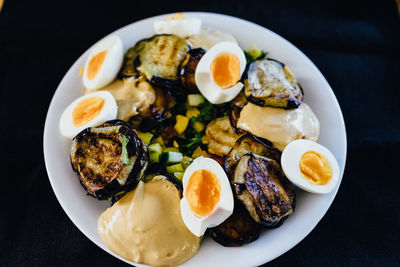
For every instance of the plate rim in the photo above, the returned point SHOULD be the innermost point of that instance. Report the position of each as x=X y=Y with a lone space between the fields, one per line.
x=258 y=261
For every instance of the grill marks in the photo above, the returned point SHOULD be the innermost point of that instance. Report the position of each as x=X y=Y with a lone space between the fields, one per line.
x=96 y=156
x=99 y=161
x=271 y=193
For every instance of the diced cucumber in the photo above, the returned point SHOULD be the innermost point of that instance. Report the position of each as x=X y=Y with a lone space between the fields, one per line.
x=173 y=157
x=195 y=99
x=179 y=175
x=156 y=148
x=175 y=168
x=154 y=157
x=254 y=51
x=146 y=137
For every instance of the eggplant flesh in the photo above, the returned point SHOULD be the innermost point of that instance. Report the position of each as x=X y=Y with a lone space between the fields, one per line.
x=155 y=114
x=159 y=57
x=188 y=69
x=128 y=65
x=270 y=83
x=249 y=143
x=237 y=230
x=260 y=184
x=97 y=156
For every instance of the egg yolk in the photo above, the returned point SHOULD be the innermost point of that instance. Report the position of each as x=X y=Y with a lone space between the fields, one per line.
x=87 y=110
x=225 y=69
x=95 y=64
x=315 y=168
x=203 y=192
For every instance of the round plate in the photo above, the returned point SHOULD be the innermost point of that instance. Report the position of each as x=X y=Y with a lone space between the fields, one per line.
x=84 y=210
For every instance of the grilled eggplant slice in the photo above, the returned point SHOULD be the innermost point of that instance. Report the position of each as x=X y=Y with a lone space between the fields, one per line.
x=237 y=105
x=128 y=65
x=249 y=143
x=159 y=58
x=260 y=184
x=151 y=117
x=188 y=68
x=270 y=83
x=238 y=229
x=219 y=136
x=109 y=159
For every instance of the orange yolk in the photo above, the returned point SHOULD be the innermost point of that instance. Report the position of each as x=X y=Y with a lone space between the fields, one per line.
x=87 y=110
x=315 y=168
x=95 y=64
x=203 y=192
x=225 y=69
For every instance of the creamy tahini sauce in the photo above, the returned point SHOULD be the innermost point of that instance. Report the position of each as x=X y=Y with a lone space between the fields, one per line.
x=132 y=95
x=278 y=125
x=145 y=226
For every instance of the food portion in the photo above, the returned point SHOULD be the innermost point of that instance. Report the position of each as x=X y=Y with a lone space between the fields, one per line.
x=179 y=25
x=208 y=37
x=278 y=125
x=109 y=160
x=168 y=134
x=103 y=63
x=219 y=136
x=159 y=58
x=218 y=72
x=270 y=83
x=87 y=111
x=249 y=144
x=262 y=187
x=188 y=69
x=239 y=229
x=134 y=95
x=310 y=166
x=145 y=226
x=207 y=196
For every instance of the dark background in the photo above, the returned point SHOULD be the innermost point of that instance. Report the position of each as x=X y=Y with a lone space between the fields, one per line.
x=355 y=44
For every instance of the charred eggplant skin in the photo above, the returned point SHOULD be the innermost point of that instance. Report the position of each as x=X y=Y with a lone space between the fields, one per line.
x=96 y=158
x=236 y=107
x=274 y=93
x=188 y=69
x=249 y=143
x=263 y=188
x=237 y=230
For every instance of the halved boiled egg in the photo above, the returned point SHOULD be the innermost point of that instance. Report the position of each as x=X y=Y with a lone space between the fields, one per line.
x=207 y=195
x=88 y=111
x=103 y=63
x=178 y=25
x=310 y=166
x=218 y=72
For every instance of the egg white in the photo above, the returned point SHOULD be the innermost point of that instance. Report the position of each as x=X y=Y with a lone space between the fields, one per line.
x=109 y=112
x=180 y=27
x=290 y=160
x=198 y=225
x=111 y=64
x=205 y=81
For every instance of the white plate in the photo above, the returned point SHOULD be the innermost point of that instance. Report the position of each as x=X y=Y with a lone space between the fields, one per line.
x=84 y=210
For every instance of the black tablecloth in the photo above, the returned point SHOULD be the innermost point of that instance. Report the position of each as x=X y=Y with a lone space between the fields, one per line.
x=355 y=44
